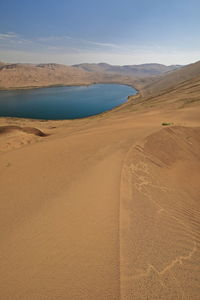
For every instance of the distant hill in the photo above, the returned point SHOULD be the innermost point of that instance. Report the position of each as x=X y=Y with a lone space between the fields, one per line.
x=150 y=79
x=161 y=84
x=30 y=75
x=138 y=71
x=2 y=64
x=43 y=75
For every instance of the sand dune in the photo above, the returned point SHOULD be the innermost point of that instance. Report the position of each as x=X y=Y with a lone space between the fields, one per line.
x=14 y=137
x=160 y=217
x=30 y=130
x=105 y=207
x=163 y=84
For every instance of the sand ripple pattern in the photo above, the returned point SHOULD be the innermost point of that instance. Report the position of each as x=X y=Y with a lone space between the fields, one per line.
x=160 y=217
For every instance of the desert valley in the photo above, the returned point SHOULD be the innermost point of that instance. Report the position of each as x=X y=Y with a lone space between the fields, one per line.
x=104 y=207
x=99 y=150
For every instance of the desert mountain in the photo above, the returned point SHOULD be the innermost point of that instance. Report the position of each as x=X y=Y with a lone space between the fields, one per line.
x=140 y=71
x=30 y=75
x=43 y=75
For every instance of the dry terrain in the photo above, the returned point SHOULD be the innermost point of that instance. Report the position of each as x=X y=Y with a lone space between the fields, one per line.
x=139 y=71
x=106 y=207
x=14 y=76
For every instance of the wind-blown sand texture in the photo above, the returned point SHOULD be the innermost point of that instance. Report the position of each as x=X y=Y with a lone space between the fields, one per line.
x=105 y=207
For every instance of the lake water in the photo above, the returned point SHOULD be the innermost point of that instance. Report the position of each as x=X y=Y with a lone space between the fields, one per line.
x=63 y=102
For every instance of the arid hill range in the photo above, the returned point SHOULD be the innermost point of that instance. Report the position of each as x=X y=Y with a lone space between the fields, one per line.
x=30 y=75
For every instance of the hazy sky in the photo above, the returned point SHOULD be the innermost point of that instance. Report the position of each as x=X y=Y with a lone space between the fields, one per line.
x=112 y=31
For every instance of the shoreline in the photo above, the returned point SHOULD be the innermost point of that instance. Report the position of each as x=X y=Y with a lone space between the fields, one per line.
x=128 y=99
x=63 y=85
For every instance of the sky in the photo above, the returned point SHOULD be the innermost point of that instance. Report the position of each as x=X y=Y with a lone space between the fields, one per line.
x=122 y=32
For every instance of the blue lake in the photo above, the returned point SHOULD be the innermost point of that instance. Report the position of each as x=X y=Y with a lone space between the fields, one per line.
x=58 y=103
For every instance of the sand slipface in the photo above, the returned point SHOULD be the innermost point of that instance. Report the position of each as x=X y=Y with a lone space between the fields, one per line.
x=105 y=207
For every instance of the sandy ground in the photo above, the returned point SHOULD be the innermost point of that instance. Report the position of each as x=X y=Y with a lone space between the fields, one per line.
x=101 y=208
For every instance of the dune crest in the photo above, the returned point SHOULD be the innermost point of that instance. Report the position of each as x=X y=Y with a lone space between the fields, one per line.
x=30 y=130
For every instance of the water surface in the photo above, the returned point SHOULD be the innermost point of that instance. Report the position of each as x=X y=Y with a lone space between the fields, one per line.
x=63 y=102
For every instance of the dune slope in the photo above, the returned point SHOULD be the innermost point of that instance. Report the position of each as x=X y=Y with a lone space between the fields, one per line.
x=160 y=213
x=105 y=207
x=170 y=81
